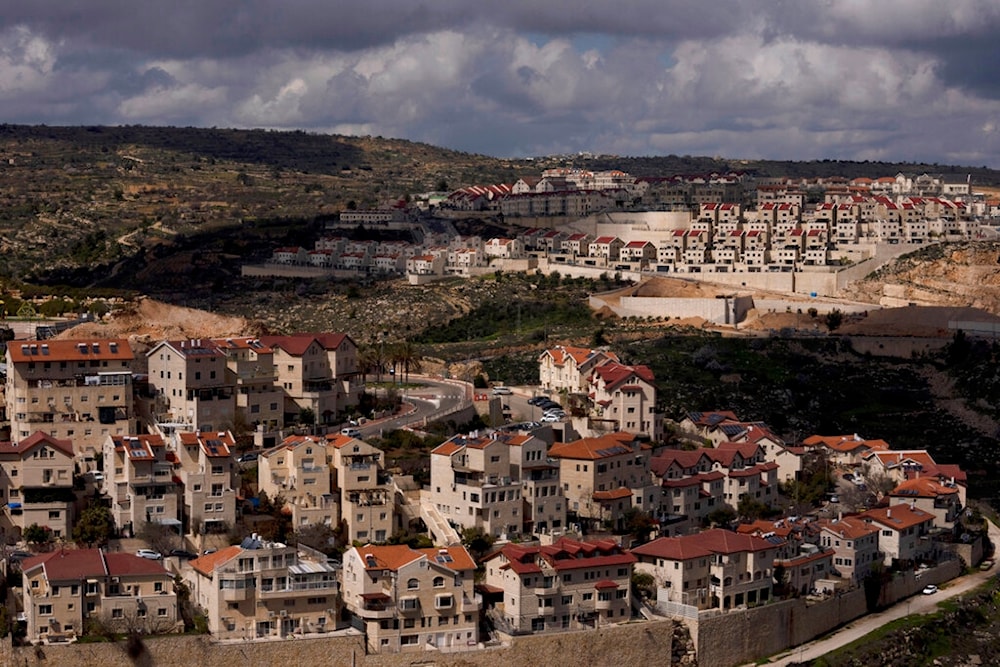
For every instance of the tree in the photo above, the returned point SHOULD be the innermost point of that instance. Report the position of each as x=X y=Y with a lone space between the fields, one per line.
x=94 y=526
x=834 y=319
x=638 y=523
x=750 y=509
x=307 y=416
x=721 y=517
x=35 y=534
x=477 y=541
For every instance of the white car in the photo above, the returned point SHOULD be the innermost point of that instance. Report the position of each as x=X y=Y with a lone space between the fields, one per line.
x=149 y=553
x=351 y=432
x=548 y=419
x=930 y=589
x=502 y=391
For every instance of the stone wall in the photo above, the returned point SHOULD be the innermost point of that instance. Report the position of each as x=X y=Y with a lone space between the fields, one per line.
x=752 y=634
x=633 y=643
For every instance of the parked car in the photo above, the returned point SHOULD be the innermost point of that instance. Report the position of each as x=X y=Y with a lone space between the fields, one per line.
x=149 y=553
x=502 y=391
x=208 y=551
x=183 y=553
x=537 y=400
x=248 y=457
x=930 y=589
x=351 y=432
x=550 y=418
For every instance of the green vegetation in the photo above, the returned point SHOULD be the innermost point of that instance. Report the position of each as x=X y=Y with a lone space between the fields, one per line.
x=94 y=526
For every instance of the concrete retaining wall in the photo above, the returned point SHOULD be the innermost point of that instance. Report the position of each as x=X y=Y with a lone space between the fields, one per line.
x=630 y=644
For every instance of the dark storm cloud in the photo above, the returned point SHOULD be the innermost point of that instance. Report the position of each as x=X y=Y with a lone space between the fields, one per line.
x=894 y=79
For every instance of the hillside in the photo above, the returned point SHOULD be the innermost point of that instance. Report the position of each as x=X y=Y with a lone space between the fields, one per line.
x=957 y=274
x=84 y=206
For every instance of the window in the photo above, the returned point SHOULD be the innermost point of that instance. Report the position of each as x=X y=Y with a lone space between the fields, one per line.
x=438 y=582
x=443 y=601
x=117 y=613
x=412 y=584
x=45 y=609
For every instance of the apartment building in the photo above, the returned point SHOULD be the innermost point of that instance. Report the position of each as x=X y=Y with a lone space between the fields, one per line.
x=296 y=470
x=140 y=480
x=604 y=477
x=193 y=388
x=36 y=486
x=568 y=584
x=472 y=486
x=624 y=397
x=318 y=374
x=260 y=589
x=250 y=370
x=570 y=368
x=209 y=476
x=904 y=534
x=412 y=599
x=855 y=543
x=740 y=568
x=73 y=389
x=367 y=498
x=545 y=504
x=65 y=588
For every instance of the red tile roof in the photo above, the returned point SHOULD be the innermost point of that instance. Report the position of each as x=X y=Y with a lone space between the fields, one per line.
x=36 y=439
x=297 y=344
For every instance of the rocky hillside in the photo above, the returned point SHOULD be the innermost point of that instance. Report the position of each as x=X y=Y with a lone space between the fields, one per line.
x=952 y=274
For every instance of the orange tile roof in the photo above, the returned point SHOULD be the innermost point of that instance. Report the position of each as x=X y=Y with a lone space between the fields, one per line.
x=36 y=439
x=104 y=349
x=209 y=562
x=898 y=517
x=594 y=448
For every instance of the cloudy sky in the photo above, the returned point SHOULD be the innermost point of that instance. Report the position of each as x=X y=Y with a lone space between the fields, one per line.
x=784 y=79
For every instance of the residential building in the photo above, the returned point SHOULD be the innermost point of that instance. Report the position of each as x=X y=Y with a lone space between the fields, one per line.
x=412 y=599
x=570 y=368
x=604 y=477
x=36 y=486
x=472 y=486
x=209 y=477
x=544 y=502
x=625 y=398
x=739 y=574
x=367 y=498
x=66 y=588
x=261 y=589
x=845 y=451
x=925 y=493
x=318 y=373
x=193 y=389
x=296 y=470
x=568 y=584
x=855 y=543
x=904 y=536
x=250 y=370
x=140 y=480
x=80 y=390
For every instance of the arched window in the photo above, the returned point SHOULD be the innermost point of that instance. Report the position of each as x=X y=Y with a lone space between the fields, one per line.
x=412 y=584
x=438 y=582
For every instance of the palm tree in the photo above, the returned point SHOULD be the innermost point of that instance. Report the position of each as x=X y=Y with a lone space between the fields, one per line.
x=408 y=357
x=368 y=360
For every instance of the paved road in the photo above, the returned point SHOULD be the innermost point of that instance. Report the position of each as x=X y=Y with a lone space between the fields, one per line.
x=435 y=398
x=917 y=604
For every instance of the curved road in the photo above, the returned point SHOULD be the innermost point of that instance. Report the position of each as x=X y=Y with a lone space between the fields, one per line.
x=434 y=399
x=916 y=604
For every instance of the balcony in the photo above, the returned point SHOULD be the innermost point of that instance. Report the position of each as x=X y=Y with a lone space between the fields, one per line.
x=377 y=605
x=471 y=605
x=546 y=586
